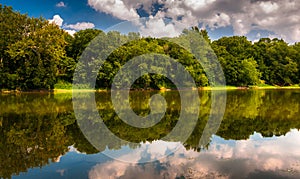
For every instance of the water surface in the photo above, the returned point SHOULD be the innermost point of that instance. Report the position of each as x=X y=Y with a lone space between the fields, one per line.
x=258 y=138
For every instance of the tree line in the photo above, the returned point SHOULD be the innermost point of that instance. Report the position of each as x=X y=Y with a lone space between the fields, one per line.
x=36 y=54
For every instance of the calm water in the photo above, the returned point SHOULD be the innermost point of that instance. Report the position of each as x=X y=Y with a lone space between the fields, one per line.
x=258 y=138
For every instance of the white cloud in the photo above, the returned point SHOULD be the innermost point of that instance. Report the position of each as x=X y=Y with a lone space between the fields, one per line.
x=239 y=26
x=219 y=20
x=197 y=4
x=280 y=17
x=157 y=27
x=71 y=32
x=57 y=20
x=71 y=28
x=268 y=6
x=80 y=26
x=117 y=8
x=61 y=4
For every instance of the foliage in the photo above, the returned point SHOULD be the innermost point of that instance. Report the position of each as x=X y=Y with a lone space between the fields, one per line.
x=29 y=59
x=250 y=75
x=276 y=61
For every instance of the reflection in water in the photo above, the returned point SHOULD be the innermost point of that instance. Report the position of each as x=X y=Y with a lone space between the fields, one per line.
x=252 y=158
x=255 y=138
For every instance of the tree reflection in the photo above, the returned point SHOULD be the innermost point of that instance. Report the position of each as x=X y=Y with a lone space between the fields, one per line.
x=33 y=132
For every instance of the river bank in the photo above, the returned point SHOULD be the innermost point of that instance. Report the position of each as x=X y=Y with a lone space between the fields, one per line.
x=5 y=91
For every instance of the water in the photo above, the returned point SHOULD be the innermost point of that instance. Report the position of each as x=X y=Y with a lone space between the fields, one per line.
x=258 y=138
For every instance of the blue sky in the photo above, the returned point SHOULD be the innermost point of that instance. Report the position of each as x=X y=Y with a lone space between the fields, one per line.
x=73 y=12
x=251 y=18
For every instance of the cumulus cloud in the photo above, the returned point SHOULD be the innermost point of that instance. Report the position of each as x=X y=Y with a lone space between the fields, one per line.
x=56 y=20
x=117 y=8
x=280 y=17
x=71 y=28
x=71 y=32
x=157 y=27
x=61 y=4
x=268 y=6
x=219 y=20
x=80 y=26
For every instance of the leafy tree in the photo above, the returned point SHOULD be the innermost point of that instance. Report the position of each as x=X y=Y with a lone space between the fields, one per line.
x=273 y=57
x=295 y=56
x=30 y=52
x=232 y=53
x=37 y=55
x=238 y=46
x=229 y=63
x=13 y=27
x=250 y=75
x=80 y=41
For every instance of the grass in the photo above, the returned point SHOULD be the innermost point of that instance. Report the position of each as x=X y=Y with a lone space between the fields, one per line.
x=265 y=86
x=63 y=85
x=219 y=88
x=66 y=87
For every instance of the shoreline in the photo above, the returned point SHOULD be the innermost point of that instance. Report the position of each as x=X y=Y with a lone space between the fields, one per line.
x=54 y=91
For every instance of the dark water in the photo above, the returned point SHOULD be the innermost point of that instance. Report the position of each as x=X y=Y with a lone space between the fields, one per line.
x=258 y=138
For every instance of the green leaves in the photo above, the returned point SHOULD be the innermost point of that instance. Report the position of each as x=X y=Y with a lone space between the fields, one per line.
x=250 y=75
x=80 y=41
x=36 y=57
x=277 y=61
x=31 y=53
x=270 y=61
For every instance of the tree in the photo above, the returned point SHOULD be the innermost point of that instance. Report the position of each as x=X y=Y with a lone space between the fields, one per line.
x=295 y=56
x=80 y=41
x=275 y=63
x=229 y=63
x=250 y=75
x=31 y=49
x=37 y=55
x=238 y=46
x=13 y=27
x=232 y=53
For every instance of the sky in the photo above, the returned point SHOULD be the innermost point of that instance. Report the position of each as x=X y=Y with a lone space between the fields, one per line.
x=252 y=18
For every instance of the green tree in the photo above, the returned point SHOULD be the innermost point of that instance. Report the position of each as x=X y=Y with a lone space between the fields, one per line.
x=31 y=49
x=250 y=75
x=295 y=56
x=13 y=27
x=37 y=55
x=232 y=52
x=229 y=63
x=80 y=41
x=275 y=63
x=238 y=46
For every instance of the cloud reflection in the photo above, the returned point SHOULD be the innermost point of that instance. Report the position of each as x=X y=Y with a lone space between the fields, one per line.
x=255 y=157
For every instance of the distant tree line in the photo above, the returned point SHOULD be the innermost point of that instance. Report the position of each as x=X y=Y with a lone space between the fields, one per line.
x=35 y=54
